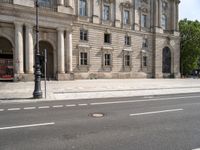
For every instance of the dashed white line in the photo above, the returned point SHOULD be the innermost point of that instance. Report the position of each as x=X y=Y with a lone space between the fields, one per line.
x=29 y=108
x=14 y=109
x=155 y=112
x=72 y=105
x=58 y=106
x=82 y=104
x=196 y=149
x=1 y=109
x=27 y=126
x=43 y=107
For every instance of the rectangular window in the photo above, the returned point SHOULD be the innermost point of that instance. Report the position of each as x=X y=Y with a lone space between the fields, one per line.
x=144 y=20
x=83 y=35
x=145 y=43
x=82 y=8
x=127 y=40
x=106 y=12
x=126 y=17
x=107 y=38
x=107 y=59
x=145 y=61
x=127 y=60
x=84 y=58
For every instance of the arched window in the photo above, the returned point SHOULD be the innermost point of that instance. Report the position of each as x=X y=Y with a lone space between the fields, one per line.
x=164 y=22
x=166 y=60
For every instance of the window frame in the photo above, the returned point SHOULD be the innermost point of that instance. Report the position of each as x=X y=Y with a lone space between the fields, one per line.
x=82 y=9
x=126 y=20
x=109 y=38
x=84 y=35
x=106 y=15
x=144 y=20
x=164 y=22
x=127 y=40
x=83 y=59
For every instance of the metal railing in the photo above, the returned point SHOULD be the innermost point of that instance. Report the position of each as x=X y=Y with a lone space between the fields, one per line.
x=48 y=4
x=6 y=1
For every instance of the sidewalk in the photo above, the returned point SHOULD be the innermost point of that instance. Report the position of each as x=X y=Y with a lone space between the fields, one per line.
x=101 y=88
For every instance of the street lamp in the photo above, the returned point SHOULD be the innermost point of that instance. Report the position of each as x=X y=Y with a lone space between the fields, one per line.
x=37 y=94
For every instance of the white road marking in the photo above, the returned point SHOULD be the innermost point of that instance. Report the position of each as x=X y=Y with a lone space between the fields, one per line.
x=29 y=108
x=1 y=109
x=27 y=126
x=155 y=112
x=43 y=107
x=13 y=109
x=146 y=100
x=57 y=106
x=196 y=149
x=82 y=104
x=72 y=105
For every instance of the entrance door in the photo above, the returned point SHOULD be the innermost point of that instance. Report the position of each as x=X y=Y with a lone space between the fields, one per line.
x=6 y=60
x=166 y=60
x=50 y=61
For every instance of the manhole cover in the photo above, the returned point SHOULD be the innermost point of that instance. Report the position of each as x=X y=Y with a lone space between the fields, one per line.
x=97 y=115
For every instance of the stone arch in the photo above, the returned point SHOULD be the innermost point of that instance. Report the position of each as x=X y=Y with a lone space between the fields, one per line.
x=44 y=44
x=6 y=59
x=167 y=60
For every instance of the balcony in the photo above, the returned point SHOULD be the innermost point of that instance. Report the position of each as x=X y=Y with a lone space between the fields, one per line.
x=6 y=1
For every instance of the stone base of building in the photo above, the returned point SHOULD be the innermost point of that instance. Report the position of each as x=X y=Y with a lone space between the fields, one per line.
x=23 y=77
x=63 y=77
x=104 y=75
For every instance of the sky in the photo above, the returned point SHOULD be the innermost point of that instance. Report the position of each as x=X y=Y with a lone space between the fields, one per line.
x=189 y=9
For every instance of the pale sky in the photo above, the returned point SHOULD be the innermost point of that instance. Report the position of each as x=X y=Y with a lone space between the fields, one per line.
x=189 y=9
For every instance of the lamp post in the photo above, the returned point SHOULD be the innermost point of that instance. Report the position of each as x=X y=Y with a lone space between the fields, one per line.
x=37 y=94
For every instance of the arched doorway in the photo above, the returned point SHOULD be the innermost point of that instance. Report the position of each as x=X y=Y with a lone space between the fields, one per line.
x=166 y=67
x=50 y=59
x=6 y=60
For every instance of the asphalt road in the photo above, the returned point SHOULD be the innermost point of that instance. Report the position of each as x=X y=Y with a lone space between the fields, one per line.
x=170 y=122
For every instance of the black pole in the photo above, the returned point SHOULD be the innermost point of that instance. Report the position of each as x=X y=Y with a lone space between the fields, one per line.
x=37 y=94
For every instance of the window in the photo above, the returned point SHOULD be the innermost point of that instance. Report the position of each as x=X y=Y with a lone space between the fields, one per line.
x=83 y=35
x=83 y=58
x=164 y=22
x=82 y=8
x=106 y=12
x=145 y=43
x=144 y=20
x=107 y=59
x=107 y=38
x=144 y=61
x=126 y=17
x=127 y=59
x=44 y=3
x=127 y=40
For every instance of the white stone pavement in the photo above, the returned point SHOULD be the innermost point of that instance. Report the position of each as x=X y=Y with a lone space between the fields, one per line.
x=101 y=88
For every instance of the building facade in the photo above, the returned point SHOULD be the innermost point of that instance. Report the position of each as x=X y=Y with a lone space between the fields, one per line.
x=88 y=39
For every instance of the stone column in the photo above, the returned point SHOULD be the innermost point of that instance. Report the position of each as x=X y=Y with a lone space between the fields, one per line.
x=177 y=14
x=159 y=13
x=18 y=59
x=29 y=49
x=61 y=2
x=69 y=50
x=156 y=12
x=61 y=49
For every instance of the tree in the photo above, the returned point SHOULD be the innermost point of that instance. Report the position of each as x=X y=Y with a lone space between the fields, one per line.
x=190 y=45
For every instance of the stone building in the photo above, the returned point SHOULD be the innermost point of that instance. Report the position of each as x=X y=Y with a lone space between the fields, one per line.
x=91 y=38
